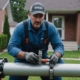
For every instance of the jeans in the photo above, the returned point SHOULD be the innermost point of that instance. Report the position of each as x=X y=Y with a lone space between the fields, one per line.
x=43 y=78
x=26 y=78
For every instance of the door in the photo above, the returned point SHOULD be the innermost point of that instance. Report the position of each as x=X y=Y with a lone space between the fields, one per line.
x=58 y=21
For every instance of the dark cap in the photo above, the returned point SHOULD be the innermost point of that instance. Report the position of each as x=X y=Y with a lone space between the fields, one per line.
x=37 y=8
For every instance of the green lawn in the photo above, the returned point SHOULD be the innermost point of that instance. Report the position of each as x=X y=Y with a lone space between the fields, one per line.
x=72 y=54
x=68 y=54
x=6 y=55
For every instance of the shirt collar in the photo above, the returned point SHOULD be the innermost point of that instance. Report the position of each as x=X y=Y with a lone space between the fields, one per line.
x=43 y=25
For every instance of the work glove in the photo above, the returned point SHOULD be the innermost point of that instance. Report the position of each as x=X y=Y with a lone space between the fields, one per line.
x=54 y=58
x=31 y=57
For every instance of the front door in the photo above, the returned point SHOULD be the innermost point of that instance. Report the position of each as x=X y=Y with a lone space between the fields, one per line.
x=58 y=21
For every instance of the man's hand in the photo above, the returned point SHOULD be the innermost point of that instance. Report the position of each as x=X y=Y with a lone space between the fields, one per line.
x=31 y=57
x=54 y=58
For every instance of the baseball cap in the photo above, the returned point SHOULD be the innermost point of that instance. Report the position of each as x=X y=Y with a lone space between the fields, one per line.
x=37 y=8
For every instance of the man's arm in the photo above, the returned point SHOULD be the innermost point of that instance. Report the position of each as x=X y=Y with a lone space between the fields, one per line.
x=56 y=43
x=58 y=54
x=20 y=54
x=14 y=45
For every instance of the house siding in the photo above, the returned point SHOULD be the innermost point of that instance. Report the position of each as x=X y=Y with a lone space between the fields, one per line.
x=2 y=13
x=69 y=26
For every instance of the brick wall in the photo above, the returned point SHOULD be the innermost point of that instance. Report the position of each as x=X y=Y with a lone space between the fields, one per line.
x=69 y=25
x=78 y=29
x=2 y=13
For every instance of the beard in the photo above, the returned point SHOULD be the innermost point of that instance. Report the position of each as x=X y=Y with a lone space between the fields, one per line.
x=36 y=25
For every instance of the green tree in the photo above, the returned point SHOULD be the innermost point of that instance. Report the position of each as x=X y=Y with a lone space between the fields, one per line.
x=6 y=27
x=17 y=8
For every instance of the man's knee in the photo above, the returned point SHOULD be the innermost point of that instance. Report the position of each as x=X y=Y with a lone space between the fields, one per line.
x=18 y=78
x=57 y=78
x=54 y=78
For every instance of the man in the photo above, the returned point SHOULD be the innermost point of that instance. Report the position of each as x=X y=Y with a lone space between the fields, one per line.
x=26 y=42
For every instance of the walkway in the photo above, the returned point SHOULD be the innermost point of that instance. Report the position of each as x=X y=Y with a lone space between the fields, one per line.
x=71 y=58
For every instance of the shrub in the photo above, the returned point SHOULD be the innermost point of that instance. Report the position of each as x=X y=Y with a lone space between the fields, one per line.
x=3 y=41
x=6 y=27
x=0 y=42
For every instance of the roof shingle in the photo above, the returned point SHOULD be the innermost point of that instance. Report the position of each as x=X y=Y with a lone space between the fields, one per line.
x=3 y=3
x=64 y=5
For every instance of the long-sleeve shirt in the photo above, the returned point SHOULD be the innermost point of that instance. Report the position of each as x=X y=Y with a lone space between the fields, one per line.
x=17 y=40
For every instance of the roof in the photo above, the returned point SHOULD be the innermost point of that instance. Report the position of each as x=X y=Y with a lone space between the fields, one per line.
x=3 y=4
x=56 y=5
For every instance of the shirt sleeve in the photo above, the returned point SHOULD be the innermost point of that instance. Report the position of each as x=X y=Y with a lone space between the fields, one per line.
x=15 y=41
x=55 y=40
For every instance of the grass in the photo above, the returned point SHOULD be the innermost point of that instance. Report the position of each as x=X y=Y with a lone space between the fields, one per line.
x=6 y=55
x=72 y=54
x=68 y=54
x=72 y=61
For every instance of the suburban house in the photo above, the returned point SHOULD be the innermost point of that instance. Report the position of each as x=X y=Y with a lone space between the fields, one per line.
x=5 y=9
x=65 y=15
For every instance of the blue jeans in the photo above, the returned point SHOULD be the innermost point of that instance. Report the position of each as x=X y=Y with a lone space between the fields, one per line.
x=43 y=78
x=26 y=78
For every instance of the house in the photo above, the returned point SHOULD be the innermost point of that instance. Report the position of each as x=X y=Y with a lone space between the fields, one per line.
x=12 y=26
x=5 y=9
x=65 y=15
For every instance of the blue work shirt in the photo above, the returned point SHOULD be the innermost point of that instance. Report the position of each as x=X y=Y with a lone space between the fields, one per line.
x=17 y=40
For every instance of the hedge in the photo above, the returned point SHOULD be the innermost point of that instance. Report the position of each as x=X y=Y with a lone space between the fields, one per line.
x=3 y=41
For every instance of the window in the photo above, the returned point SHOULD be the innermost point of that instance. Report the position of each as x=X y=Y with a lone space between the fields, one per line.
x=58 y=21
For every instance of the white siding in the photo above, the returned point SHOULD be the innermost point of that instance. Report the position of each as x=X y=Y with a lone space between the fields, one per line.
x=11 y=30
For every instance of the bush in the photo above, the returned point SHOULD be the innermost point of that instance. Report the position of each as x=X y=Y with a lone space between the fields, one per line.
x=3 y=41
x=0 y=42
x=6 y=28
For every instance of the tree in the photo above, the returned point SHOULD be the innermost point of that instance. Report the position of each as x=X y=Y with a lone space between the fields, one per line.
x=6 y=27
x=17 y=8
